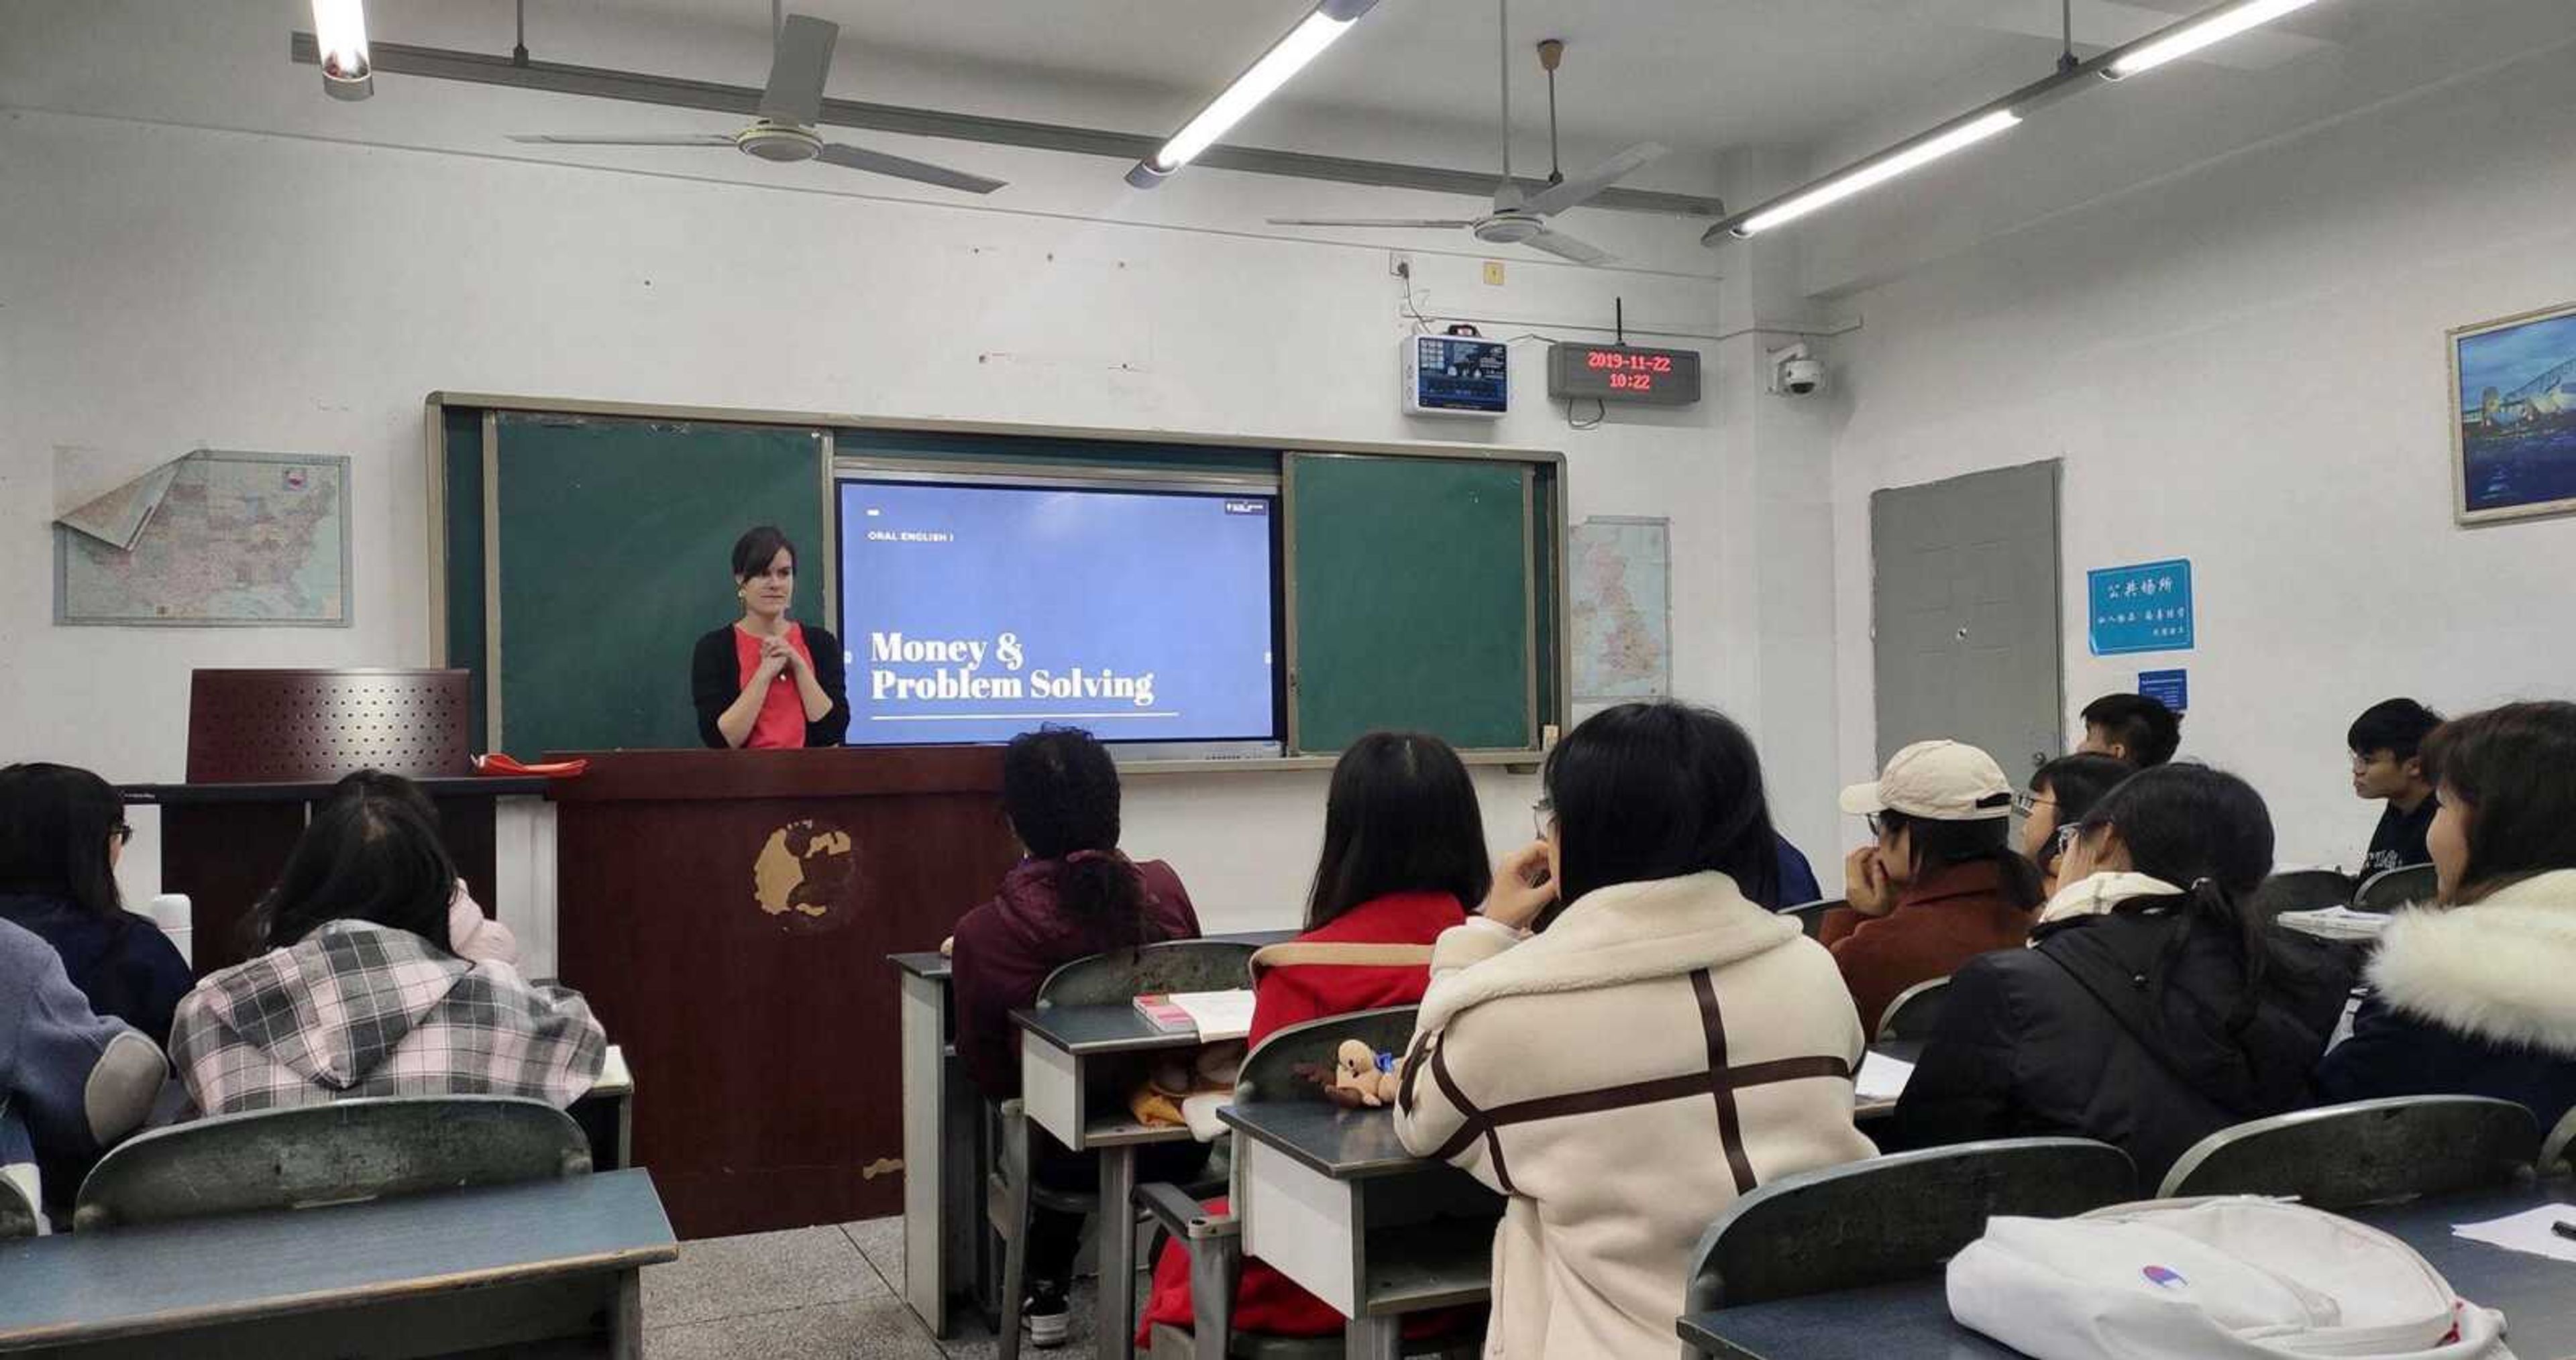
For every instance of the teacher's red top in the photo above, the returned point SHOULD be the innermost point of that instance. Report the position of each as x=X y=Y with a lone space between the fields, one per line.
x=781 y=724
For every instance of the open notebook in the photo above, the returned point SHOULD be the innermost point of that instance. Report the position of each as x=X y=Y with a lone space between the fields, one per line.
x=1215 y=1015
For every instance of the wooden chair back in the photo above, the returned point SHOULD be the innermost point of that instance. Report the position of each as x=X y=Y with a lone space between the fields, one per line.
x=1893 y=1218
x=2366 y=1152
x=312 y=1155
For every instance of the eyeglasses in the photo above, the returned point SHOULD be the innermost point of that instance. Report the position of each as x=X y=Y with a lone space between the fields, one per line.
x=2024 y=804
x=2064 y=838
x=1543 y=818
x=121 y=833
x=1870 y=820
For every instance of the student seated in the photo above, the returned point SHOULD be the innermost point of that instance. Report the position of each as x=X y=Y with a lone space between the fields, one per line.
x=2135 y=727
x=1624 y=1040
x=61 y=833
x=470 y=934
x=1796 y=885
x=2061 y=793
x=2151 y=1008
x=2474 y=997
x=78 y=1080
x=1940 y=886
x=358 y=994
x=1404 y=851
x=1075 y=895
x=2388 y=766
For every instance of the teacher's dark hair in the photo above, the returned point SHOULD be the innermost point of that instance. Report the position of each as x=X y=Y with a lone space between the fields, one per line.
x=756 y=549
x=1658 y=790
x=55 y=821
x=362 y=858
x=2510 y=766
x=1401 y=817
x=1060 y=789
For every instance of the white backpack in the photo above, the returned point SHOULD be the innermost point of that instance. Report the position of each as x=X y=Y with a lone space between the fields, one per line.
x=2212 y=1279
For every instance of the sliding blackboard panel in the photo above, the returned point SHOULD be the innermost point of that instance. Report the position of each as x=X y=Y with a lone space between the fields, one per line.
x=461 y=568
x=1413 y=599
x=615 y=539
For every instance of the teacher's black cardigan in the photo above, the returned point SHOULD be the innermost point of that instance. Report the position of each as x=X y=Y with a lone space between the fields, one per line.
x=715 y=681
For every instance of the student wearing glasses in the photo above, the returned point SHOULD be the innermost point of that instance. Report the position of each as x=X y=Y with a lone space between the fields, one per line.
x=1941 y=883
x=61 y=832
x=2061 y=793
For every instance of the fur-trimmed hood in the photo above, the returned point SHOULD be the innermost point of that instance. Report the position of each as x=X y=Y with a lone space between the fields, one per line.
x=2498 y=970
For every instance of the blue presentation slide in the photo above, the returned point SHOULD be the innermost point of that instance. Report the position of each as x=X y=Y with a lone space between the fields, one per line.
x=975 y=613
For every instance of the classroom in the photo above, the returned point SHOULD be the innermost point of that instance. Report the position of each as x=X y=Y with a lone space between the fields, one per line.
x=1290 y=678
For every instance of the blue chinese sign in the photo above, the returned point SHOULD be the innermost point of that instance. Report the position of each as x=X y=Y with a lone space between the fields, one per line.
x=2170 y=688
x=2145 y=608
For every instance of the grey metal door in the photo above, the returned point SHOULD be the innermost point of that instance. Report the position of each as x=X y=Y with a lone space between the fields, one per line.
x=1964 y=615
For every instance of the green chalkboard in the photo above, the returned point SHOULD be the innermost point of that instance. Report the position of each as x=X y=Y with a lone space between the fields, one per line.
x=615 y=543
x=1413 y=598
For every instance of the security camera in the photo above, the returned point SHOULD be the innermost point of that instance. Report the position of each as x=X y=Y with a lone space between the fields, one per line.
x=1795 y=372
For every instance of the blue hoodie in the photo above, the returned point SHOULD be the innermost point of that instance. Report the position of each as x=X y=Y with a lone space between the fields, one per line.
x=123 y=963
x=72 y=1082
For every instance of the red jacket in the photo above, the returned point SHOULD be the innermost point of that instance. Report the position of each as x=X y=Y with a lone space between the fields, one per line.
x=1952 y=915
x=1006 y=947
x=1375 y=955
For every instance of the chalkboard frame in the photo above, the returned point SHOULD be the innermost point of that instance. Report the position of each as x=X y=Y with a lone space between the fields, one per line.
x=448 y=413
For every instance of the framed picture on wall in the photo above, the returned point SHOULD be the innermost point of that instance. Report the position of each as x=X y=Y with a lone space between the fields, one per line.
x=2513 y=432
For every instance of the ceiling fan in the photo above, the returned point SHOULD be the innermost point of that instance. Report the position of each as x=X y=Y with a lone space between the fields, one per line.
x=789 y=108
x=1521 y=219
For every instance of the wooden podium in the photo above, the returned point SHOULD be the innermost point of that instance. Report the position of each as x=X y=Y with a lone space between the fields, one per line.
x=728 y=914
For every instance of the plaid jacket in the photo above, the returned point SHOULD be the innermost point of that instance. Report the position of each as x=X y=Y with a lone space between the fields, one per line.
x=359 y=1009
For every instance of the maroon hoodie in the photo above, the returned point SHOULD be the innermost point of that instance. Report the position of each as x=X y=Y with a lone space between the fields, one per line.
x=1006 y=947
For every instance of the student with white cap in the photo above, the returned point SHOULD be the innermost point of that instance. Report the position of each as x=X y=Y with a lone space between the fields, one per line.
x=1940 y=885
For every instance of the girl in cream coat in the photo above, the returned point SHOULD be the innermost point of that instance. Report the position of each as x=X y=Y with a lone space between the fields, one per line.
x=1660 y=1046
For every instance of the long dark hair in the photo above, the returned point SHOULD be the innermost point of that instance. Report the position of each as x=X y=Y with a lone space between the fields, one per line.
x=363 y=857
x=2207 y=832
x=2510 y=765
x=1060 y=789
x=54 y=824
x=1401 y=817
x=1937 y=844
x=1658 y=790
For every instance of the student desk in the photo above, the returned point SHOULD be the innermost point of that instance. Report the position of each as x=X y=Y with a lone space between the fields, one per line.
x=945 y=1156
x=1329 y=1198
x=1865 y=1109
x=1076 y=1064
x=500 y=1268
x=606 y=1114
x=1912 y=1318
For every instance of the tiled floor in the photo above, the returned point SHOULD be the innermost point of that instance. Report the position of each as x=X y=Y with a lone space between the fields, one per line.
x=805 y=1292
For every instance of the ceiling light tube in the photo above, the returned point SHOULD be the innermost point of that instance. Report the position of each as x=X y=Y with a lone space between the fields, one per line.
x=340 y=31
x=1958 y=135
x=1286 y=57
x=2199 y=31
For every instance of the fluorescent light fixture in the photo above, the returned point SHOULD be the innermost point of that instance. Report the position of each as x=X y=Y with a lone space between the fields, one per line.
x=2197 y=32
x=1286 y=57
x=1871 y=173
x=340 y=33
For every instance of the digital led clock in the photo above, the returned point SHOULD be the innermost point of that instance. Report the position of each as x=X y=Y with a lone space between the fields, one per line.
x=1655 y=377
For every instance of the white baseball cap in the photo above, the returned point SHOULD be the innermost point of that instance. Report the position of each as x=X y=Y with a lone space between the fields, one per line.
x=1943 y=781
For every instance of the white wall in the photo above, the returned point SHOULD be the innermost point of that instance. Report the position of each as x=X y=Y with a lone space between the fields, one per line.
x=219 y=265
x=2244 y=365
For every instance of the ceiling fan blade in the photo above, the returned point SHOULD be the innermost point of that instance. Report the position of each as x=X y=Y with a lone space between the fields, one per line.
x=685 y=139
x=798 y=70
x=1576 y=188
x=923 y=172
x=1425 y=223
x=1569 y=247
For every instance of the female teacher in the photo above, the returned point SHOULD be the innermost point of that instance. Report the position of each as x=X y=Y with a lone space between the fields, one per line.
x=763 y=681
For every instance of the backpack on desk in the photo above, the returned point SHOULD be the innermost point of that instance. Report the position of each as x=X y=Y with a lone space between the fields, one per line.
x=2235 y=1278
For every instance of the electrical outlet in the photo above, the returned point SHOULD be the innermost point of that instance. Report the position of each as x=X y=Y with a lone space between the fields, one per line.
x=1400 y=263
x=1494 y=272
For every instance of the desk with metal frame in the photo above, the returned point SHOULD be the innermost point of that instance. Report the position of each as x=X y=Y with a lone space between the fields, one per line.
x=2536 y=1294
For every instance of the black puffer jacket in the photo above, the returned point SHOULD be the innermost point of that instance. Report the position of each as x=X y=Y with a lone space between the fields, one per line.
x=2134 y=1027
